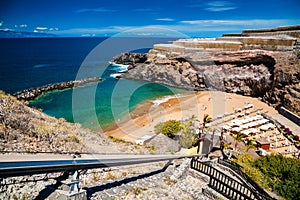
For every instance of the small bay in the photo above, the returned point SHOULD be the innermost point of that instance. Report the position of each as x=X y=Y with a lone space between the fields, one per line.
x=33 y=62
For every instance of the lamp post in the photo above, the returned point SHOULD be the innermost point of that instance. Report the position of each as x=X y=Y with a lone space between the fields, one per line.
x=199 y=138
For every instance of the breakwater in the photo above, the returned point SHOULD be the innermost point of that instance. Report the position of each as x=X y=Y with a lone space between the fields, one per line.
x=33 y=93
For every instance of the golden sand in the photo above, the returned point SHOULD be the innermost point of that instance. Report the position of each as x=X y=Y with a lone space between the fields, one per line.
x=143 y=119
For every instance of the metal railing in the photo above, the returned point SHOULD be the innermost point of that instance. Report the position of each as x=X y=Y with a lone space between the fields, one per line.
x=226 y=185
x=22 y=168
x=237 y=169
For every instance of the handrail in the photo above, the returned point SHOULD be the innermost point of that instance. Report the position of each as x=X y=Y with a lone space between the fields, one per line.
x=215 y=175
x=11 y=169
x=237 y=169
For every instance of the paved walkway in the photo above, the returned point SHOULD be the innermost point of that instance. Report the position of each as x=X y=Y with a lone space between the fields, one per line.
x=288 y=123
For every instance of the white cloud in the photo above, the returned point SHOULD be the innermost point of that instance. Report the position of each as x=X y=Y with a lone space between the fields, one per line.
x=218 y=6
x=258 y=22
x=23 y=26
x=215 y=6
x=94 y=10
x=190 y=27
x=165 y=19
x=7 y=29
x=39 y=28
x=90 y=31
x=123 y=31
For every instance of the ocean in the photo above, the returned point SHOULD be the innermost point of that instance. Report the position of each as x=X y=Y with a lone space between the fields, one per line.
x=34 y=62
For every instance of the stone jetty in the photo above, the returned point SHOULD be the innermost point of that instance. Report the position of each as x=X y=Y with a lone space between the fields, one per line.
x=33 y=93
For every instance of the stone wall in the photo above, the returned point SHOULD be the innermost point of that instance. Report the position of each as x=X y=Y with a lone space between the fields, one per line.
x=169 y=48
x=288 y=114
x=280 y=28
x=260 y=41
x=209 y=44
x=295 y=34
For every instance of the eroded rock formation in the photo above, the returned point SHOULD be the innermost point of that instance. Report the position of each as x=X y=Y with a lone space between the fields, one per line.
x=272 y=76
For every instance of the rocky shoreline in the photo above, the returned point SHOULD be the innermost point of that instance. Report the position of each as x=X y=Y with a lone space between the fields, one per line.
x=273 y=77
x=33 y=93
x=264 y=65
x=260 y=63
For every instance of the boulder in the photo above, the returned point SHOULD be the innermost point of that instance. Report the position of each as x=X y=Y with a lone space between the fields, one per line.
x=164 y=144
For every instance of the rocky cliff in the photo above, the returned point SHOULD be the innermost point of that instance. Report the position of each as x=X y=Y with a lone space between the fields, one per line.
x=273 y=76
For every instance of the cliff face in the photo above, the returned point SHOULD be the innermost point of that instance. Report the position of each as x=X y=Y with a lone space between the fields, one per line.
x=285 y=89
x=244 y=72
x=272 y=76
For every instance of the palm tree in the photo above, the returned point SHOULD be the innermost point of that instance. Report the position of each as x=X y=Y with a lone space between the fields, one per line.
x=250 y=144
x=226 y=149
x=238 y=138
x=206 y=119
x=222 y=138
x=226 y=146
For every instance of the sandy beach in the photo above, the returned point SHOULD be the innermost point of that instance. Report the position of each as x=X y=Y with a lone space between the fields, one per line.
x=179 y=107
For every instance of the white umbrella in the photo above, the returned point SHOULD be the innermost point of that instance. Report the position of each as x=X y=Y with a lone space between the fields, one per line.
x=276 y=142
x=268 y=138
x=226 y=127
x=290 y=148
x=236 y=129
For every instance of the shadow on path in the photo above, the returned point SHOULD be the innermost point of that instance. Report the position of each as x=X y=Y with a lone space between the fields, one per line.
x=94 y=189
x=49 y=189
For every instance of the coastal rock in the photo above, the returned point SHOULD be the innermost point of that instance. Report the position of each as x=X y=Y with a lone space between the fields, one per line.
x=33 y=93
x=164 y=144
x=130 y=58
x=286 y=84
x=243 y=72
x=274 y=76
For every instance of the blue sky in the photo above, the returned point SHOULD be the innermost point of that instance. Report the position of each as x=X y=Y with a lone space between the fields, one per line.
x=108 y=17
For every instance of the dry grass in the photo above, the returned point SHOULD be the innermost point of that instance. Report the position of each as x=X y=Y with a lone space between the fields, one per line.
x=169 y=181
x=21 y=125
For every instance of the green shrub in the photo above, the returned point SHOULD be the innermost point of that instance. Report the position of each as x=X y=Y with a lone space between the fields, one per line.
x=274 y=172
x=245 y=161
x=188 y=138
x=118 y=140
x=171 y=128
x=282 y=174
x=158 y=127
x=72 y=138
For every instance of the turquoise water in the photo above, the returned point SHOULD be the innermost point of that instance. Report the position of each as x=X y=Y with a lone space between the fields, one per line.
x=34 y=62
x=113 y=100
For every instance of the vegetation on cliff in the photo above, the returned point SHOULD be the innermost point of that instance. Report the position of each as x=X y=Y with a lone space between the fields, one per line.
x=274 y=172
x=169 y=128
x=282 y=174
x=25 y=129
x=185 y=130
